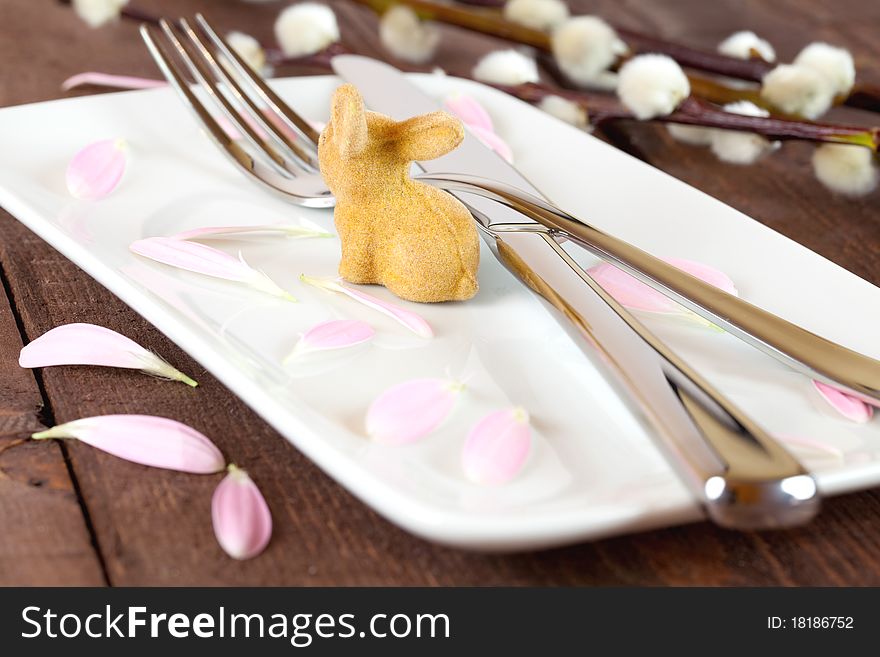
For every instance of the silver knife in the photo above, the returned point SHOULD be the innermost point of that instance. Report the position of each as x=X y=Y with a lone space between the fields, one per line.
x=742 y=476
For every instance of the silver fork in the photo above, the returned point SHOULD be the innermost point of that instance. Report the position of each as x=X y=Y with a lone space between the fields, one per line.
x=743 y=477
x=274 y=161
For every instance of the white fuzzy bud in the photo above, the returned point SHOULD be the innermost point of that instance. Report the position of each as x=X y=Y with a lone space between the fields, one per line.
x=565 y=110
x=798 y=90
x=742 y=45
x=98 y=12
x=690 y=134
x=406 y=37
x=248 y=48
x=737 y=146
x=584 y=48
x=849 y=170
x=537 y=14
x=506 y=67
x=834 y=63
x=652 y=85
x=305 y=29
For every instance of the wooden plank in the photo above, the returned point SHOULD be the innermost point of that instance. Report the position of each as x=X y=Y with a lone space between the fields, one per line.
x=44 y=540
x=153 y=527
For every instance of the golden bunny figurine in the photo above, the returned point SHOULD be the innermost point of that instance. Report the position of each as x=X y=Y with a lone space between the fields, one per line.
x=416 y=240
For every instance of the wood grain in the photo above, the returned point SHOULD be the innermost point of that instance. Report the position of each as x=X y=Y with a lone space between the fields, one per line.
x=44 y=537
x=152 y=527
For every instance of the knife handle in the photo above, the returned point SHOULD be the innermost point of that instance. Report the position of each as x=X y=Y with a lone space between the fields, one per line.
x=813 y=355
x=742 y=476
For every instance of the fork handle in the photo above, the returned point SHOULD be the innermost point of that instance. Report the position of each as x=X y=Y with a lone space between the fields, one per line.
x=813 y=355
x=741 y=475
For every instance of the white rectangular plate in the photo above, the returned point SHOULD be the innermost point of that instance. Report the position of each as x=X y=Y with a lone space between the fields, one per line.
x=593 y=470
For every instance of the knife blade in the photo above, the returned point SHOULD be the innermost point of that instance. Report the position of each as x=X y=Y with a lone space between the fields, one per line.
x=743 y=478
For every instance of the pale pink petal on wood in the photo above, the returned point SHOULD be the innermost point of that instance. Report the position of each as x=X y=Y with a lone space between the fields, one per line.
x=411 y=410
x=149 y=440
x=847 y=405
x=96 y=170
x=207 y=261
x=497 y=447
x=413 y=321
x=88 y=344
x=241 y=518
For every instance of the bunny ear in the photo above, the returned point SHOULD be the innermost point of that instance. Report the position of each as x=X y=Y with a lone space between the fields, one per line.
x=348 y=120
x=428 y=136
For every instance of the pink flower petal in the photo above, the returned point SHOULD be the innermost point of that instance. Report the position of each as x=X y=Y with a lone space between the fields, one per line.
x=409 y=319
x=107 y=80
x=705 y=273
x=95 y=171
x=280 y=125
x=87 y=344
x=290 y=230
x=848 y=406
x=632 y=293
x=208 y=261
x=497 y=447
x=335 y=334
x=411 y=410
x=155 y=441
x=493 y=141
x=241 y=517
x=469 y=111
x=230 y=129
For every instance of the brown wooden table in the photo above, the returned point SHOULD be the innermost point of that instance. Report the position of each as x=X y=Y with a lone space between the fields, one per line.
x=70 y=514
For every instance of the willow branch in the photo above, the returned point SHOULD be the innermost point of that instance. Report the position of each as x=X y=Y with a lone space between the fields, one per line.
x=709 y=61
x=488 y=20
x=697 y=112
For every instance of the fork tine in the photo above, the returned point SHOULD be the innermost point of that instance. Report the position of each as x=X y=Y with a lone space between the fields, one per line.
x=255 y=171
x=175 y=79
x=198 y=70
x=281 y=109
x=294 y=151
